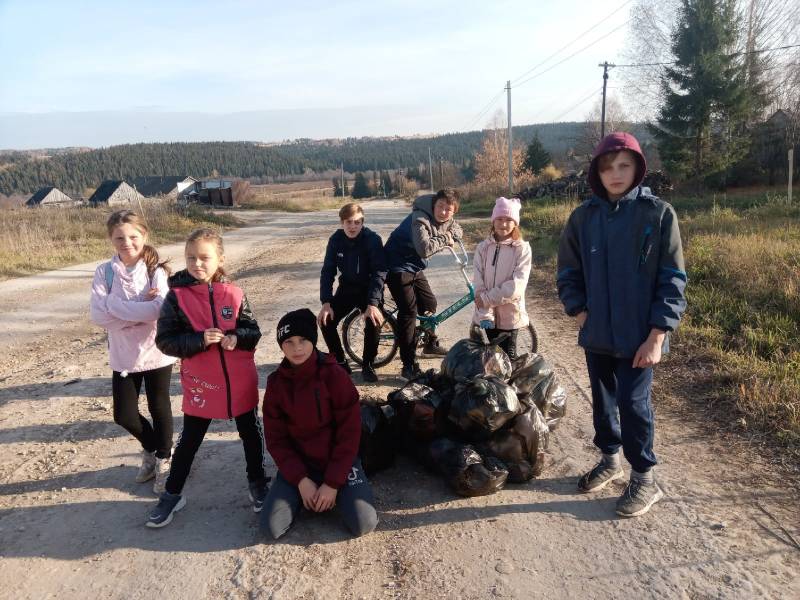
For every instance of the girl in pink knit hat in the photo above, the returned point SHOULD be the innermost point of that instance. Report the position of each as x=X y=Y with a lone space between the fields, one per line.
x=502 y=266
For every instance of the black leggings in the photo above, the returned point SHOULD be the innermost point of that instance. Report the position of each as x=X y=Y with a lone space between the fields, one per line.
x=125 y=392
x=194 y=430
x=345 y=300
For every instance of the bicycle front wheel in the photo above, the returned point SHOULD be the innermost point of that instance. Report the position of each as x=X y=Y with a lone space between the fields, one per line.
x=353 y=338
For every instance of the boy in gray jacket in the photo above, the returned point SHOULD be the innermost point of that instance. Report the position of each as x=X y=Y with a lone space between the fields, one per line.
x=621 y=276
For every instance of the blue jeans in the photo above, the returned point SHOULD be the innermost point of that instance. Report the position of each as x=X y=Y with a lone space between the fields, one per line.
x=354 y=503
x=621 y=408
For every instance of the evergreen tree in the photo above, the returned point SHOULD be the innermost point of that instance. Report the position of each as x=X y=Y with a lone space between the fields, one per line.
x=386 y=183
x=700 y=128
x=360 y=187
x=536 y=157
x=337 y=187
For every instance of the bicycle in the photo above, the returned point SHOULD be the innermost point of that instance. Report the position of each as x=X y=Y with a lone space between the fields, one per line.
x=353 y=324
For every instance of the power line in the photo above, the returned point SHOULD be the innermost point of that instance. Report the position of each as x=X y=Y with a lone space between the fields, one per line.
x=486 y=108
x=594 y=91
x=557 y=52
x=743 y=53
x=550 y=68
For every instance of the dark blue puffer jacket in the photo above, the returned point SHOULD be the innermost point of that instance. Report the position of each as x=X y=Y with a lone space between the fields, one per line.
x=360 y=262
x=623 y=263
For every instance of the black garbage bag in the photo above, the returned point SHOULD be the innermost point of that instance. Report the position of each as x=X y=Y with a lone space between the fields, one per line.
x=377 y=448
x=470 y=358
x=536 y=384
x=464 y=469
x=555 y=406
x=482 y=406
x=421 y=412
x=528 y=371
x=521 y=445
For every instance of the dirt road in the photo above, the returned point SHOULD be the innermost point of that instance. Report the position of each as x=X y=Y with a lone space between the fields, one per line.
x=72 y=519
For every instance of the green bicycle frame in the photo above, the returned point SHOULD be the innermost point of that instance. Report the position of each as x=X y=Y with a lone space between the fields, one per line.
x=430 y=322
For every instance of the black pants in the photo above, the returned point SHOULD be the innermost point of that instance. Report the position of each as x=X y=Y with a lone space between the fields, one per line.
x=413 y=296
x=509 y=344
x=345 y=300
x=125 y=393
x=194 y=430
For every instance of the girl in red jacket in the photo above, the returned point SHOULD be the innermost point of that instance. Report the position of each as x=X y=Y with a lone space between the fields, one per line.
x=312 y=418
x=207 y=322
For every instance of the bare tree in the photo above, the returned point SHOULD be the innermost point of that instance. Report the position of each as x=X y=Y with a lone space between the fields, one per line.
x=616 y=120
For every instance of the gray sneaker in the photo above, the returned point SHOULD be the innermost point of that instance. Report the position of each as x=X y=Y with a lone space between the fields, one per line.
x=168 y=505
x=637 y=498
x=147 y=470
x=599 y=477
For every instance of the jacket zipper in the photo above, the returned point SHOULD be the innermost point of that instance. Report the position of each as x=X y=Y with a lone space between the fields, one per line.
x=319 y=406
x=221 y=351
x=494 y=264
x=644 y=253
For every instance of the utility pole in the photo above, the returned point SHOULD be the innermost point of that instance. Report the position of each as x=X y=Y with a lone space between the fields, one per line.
x=430 y=167
x=341 y=166
x=441 y=172
x=606 y=65
x=791 y=172
x=510 y=141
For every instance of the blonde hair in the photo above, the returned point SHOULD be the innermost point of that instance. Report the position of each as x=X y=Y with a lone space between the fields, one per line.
x=149 y=253
x=205 y=234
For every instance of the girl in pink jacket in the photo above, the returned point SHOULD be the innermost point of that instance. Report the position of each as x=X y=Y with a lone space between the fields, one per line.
x=127 y=294
x=502 y=265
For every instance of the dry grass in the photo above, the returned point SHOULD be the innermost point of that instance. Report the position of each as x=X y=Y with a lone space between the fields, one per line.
x=296 y=197
x=39 y=239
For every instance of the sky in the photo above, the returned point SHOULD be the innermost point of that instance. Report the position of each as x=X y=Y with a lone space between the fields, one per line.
x=98 y=73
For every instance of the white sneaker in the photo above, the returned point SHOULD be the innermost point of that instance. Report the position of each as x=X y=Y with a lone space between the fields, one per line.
x=162 y=467
x=147 y=470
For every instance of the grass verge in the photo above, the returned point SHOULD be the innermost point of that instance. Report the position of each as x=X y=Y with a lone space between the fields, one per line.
x=40 y=239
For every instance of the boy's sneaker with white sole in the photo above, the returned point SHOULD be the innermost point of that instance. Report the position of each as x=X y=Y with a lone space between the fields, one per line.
x=599 y=477
x=147 y=470
x=638 y=497
x=161 y=473
x=168 y=505
x=258 y=493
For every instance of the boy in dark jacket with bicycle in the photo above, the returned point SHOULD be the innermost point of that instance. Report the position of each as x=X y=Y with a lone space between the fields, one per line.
x=621 y=275
x=429 y=228
x=356 y=252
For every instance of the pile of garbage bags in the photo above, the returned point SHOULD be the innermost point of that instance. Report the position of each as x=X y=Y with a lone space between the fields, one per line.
x=480 y=421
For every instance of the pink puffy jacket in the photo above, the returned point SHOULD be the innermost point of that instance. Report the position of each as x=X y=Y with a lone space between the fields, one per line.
x=129 y=316
x=501 y=277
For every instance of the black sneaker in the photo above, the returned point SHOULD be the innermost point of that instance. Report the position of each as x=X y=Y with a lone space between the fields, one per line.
x=168 y=504
x=599 y=477
x=368 y=373
x=258 y=493
x=432 y=347
x=345 y=365
x=410 y=372
x=637 y=498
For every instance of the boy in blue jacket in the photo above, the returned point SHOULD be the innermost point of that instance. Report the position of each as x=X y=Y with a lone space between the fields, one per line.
x=356 y=252
x=621 y=276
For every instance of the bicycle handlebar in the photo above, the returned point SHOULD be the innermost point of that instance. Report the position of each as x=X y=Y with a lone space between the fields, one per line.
x=465 y=260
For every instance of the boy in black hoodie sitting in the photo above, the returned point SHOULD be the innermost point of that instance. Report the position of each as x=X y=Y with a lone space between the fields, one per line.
x=356 y=252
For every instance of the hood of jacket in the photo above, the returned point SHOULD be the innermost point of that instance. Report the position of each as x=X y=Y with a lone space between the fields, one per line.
x=183 y=279
x=614 y=142
x=425 y=204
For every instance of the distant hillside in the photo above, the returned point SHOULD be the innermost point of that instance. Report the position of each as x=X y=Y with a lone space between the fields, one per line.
x=75 y=171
